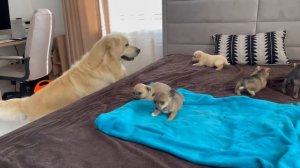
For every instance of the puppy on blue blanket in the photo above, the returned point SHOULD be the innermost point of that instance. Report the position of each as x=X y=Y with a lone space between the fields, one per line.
x=169 y=102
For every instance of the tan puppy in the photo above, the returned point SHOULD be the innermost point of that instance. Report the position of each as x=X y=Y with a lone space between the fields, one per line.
x=142 y=91
x=97 y=69
x=254 y=83
x=209 y=60
x=168 y=102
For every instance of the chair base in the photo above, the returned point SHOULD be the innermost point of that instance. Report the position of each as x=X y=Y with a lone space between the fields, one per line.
x=11 y=95
x=26 y=89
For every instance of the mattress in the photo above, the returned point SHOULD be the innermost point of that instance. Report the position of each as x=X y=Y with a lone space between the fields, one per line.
x=68 y=137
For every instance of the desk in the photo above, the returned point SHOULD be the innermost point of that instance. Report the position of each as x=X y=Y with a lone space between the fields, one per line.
x=12 y=43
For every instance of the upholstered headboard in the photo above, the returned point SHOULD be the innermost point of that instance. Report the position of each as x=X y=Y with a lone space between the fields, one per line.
x=189 y=24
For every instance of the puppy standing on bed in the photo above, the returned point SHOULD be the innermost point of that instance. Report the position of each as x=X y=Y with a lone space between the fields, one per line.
x=142 y=91
x=292 y=79
x=209 y=60
x=168 y=102
x=254 y=83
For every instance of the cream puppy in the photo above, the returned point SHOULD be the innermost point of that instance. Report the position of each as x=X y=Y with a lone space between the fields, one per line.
x=209 y=60
x=142 y=91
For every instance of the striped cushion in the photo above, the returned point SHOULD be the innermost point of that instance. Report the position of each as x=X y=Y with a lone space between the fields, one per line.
x=262 y=48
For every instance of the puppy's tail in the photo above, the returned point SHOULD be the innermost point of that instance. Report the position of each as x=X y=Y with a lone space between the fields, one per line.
x=226 y=61
x=239 y=87
x=11 y=110
x=290 y=80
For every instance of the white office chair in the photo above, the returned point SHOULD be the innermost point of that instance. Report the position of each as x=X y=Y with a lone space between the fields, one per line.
x=36 y=63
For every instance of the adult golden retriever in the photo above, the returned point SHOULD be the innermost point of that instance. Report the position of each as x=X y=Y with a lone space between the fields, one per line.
x=101 y=66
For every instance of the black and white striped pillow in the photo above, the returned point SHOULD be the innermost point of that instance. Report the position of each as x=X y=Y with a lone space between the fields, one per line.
x=262 y=48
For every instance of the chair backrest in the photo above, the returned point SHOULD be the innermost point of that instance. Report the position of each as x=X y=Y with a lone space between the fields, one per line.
x=39 y=43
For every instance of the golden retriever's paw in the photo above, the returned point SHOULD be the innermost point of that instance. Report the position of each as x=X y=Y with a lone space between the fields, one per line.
x=23 y=117
x=13 y=116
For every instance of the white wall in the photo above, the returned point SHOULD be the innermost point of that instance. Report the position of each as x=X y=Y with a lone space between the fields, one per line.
x=24 y=9
x=19 y=8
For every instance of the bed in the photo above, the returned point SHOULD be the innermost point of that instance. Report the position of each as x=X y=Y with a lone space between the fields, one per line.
x=68 y=138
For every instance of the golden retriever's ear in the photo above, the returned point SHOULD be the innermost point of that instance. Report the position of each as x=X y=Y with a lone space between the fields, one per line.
x=114 y=46
x=111 y=43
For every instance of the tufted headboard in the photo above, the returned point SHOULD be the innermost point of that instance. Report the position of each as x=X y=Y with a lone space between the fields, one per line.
x=189 y=24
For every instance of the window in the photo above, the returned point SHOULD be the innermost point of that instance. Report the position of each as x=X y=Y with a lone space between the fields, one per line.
x=135 y=15
x=141 y=22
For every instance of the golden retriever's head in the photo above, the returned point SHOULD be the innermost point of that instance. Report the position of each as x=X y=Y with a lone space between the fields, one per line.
x=118 y=46
x=197 y=56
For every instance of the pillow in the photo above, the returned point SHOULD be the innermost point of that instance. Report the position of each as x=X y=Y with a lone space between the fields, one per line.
x=262 y=48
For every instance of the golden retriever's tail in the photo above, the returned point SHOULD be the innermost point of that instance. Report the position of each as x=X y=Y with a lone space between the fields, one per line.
x=11 y=110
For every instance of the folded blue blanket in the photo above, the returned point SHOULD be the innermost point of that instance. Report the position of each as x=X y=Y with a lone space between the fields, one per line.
x=235 y=131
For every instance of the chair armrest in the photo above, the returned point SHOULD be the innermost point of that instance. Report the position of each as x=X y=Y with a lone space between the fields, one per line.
x=12 y=58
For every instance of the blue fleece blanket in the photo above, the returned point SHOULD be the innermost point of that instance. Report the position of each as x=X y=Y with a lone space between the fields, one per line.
x=235 y=131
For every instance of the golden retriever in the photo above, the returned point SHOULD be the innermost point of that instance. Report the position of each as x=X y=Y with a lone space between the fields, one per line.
x=98 y=68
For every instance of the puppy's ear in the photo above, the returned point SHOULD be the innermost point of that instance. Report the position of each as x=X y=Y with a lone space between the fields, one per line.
x=172 y=92
x=258 y=68
x=148 y=88
x=197 y=54
x=268 y=70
